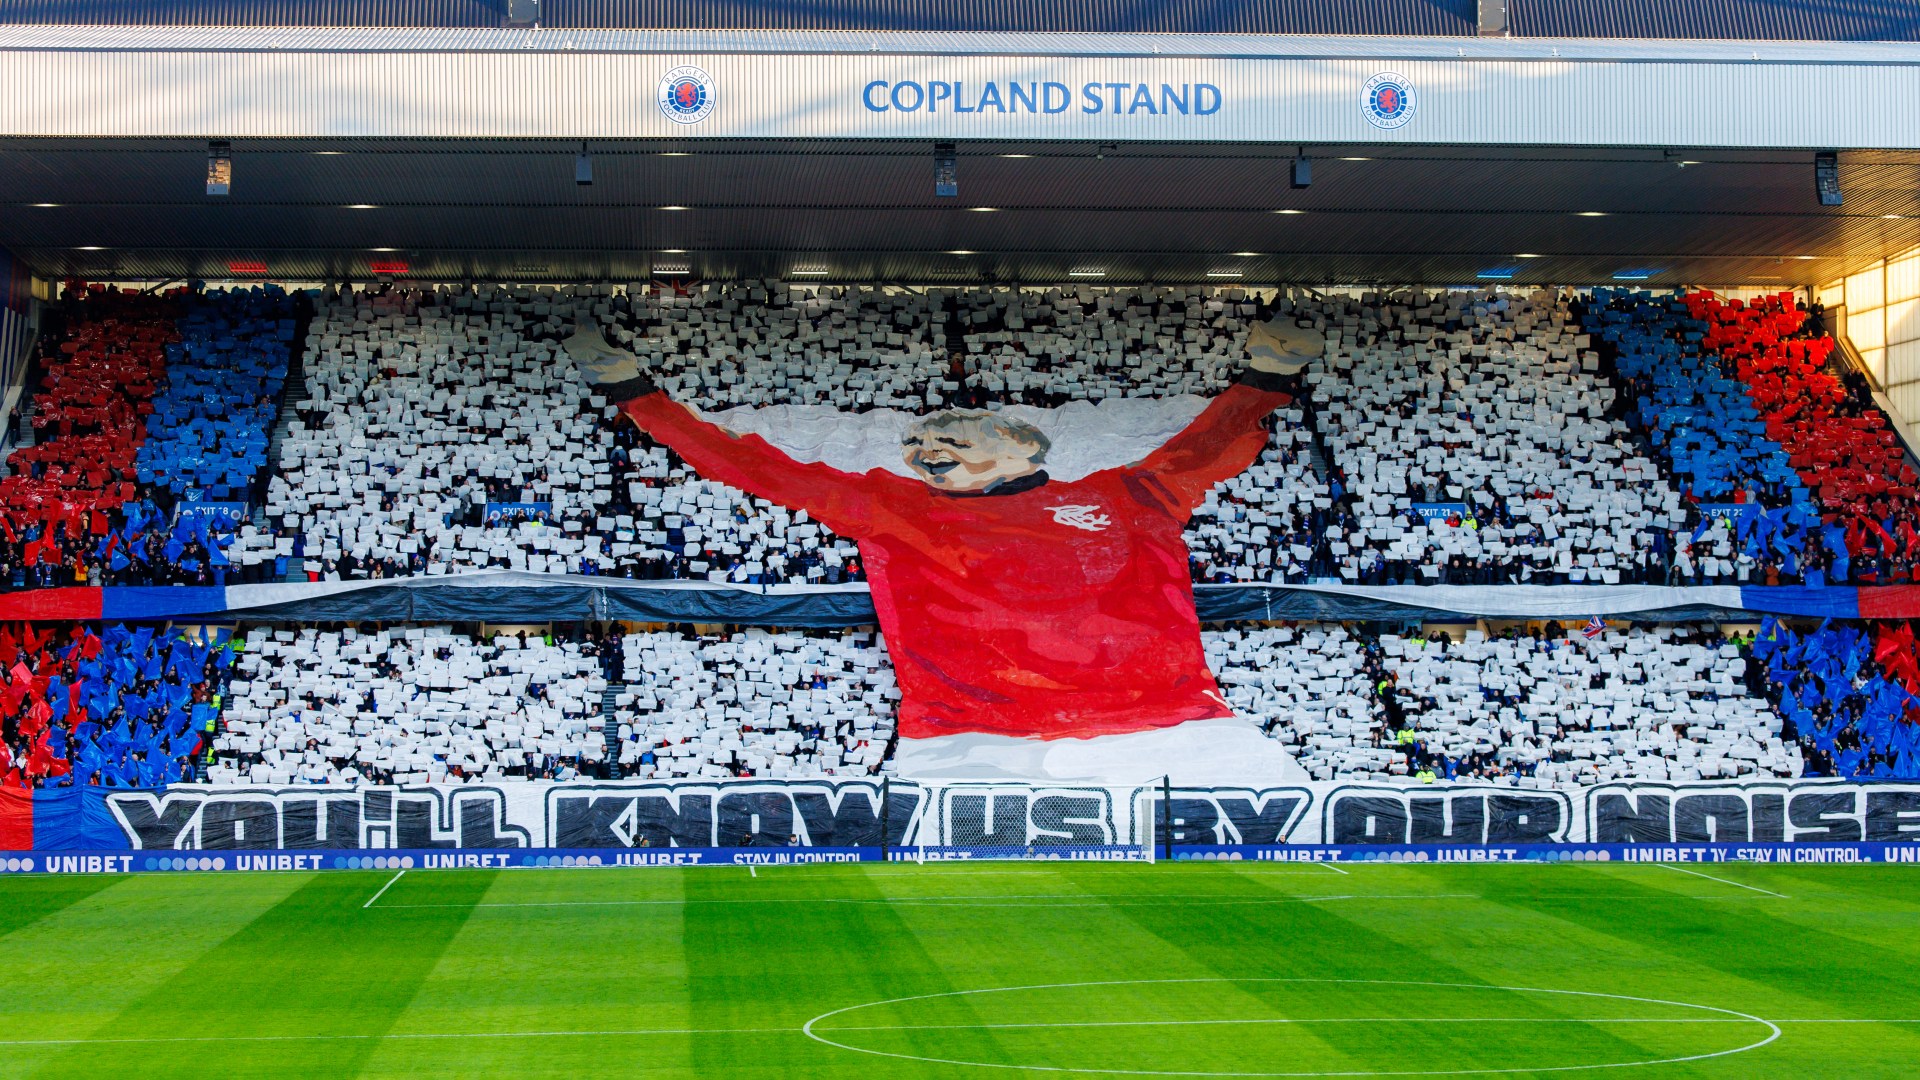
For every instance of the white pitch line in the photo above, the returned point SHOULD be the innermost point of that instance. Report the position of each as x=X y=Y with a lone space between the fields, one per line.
x=1332 y=867
x=1723 y=881
x=383 y=890
x=1054 y=900
x=751 y=872
x=407 y=1035
x=1300 y=1020
x=639 y=1032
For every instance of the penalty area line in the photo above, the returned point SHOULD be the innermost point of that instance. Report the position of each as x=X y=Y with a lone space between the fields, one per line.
x=1723 y=881
x=383 y=890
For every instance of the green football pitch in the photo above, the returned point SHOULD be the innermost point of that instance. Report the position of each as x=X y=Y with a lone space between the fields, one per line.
x=974 y=970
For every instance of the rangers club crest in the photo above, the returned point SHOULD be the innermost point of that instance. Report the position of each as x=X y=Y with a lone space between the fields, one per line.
x=686 y=95
x=1081 y=517
x=1387 y=100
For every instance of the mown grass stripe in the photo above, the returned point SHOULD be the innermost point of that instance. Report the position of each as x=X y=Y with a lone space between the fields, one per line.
x=315 y=963
x=26 y=900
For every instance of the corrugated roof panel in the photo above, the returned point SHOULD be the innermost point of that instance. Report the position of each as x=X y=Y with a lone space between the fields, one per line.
x=283 y=40
x=1447 y=17
x=1361 y=17
x=451 y=13
x=1784 y=20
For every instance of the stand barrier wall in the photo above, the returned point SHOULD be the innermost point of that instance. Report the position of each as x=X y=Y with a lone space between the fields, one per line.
x=637 y=823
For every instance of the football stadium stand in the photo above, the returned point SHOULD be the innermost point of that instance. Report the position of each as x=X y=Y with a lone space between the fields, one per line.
x=1479 y=438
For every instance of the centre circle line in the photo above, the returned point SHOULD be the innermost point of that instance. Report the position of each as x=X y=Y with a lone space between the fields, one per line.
x=1298 y=1020
x=1731 y=1015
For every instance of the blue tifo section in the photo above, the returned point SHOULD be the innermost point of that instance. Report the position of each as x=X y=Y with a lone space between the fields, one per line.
x=211 y=421
x=1699 y=416
x=1832 y=691
x=128 y=720
x=108 y=861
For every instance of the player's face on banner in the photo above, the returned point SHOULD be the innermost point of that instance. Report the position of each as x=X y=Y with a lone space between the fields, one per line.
x=965 y=455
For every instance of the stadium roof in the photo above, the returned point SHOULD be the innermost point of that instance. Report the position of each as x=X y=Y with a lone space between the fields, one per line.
x=864 y=210
x=451 y=149
x=1828 y=20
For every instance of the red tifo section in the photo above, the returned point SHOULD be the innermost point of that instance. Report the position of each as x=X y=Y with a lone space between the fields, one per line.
x=1850 y=458
x=90 y=412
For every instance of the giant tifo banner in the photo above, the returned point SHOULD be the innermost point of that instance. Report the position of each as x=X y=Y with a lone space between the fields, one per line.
x=641 y=823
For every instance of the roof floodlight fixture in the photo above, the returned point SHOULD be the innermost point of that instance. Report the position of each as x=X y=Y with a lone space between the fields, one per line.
x=583 y=168
x=219 y=168
x=1826 y=178
x=946 y=172
x=1302 y=172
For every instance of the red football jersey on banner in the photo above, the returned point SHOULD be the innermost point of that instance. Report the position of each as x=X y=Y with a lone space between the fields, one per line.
x=1057 y=609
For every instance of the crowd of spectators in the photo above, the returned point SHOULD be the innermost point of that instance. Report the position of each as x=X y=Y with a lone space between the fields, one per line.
x=1850 y=695
x=1475 y=442
x=411 y=705
x=756 y=703
x=443 y=431
x=127 y=706
x=1532 y=706
x=1523 y=705
x=150 y=417
x=1789 y=471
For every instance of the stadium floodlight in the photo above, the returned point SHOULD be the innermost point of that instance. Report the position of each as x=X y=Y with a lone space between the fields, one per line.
x=583 y=168
x=1496 y=273
x=1826 y=178
x=219 y=168
x=1302 y=172
x=946 y=172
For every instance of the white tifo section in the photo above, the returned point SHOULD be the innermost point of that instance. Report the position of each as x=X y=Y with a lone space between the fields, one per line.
x=1666 y=703
x=426 y=401
x=1304 y=685
x=770 y=704
x=413 y=706
x=1458 y=397
x=428 y=705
